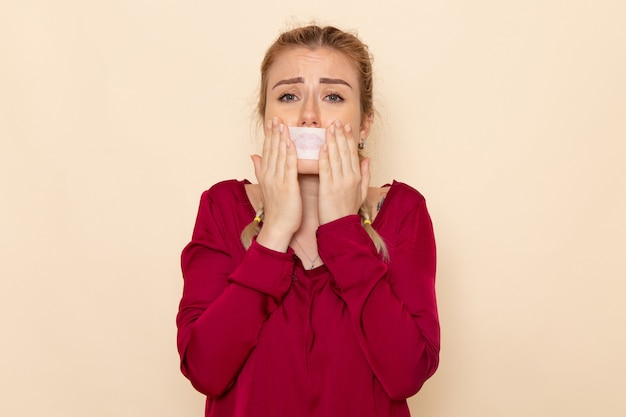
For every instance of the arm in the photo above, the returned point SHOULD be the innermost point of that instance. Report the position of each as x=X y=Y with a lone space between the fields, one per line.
x=224 y=305
x=393 y=307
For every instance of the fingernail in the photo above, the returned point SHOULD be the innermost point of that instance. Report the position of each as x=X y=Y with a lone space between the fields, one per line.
x=281 y=128
x=275 y=121
x=348 y=128
x=338 y=123
x=332 y=129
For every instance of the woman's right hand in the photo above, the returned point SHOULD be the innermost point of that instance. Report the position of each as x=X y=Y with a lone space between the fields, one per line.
x=277 y=173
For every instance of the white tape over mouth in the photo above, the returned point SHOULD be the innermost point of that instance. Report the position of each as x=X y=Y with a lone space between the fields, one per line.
x=308 y=141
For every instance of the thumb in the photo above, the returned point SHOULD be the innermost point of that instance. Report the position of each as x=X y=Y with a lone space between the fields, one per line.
x=365 y=176
x=256 y=161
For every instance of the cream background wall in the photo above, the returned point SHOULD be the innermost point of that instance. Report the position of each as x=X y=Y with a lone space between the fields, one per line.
x=509 y=116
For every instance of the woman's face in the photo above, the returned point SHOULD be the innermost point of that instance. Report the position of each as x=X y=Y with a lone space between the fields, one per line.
x=313 y=88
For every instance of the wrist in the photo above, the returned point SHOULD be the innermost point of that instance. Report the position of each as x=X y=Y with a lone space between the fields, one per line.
x=273 y=239
x=331 y=217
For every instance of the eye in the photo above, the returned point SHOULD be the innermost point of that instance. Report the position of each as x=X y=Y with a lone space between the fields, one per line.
x=333 y=98
x=286 y=97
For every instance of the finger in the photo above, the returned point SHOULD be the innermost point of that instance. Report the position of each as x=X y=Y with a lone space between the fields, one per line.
x=324 y=166
x=355 y=163
x=291 y=166
x=342 y=147
x=267 y=129
x=281 y=155
x=365 y=177
x=271 y=157
x=267 y=141
x=334 y=158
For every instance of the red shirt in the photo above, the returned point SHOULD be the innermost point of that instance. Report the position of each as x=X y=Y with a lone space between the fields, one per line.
x=261 y=336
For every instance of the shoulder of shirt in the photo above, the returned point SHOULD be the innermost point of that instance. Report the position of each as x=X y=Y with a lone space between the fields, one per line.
x=407 y=193
x=227 y=189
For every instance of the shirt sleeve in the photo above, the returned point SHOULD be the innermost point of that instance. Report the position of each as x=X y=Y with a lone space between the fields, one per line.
x=392 y=305
x=224 y=302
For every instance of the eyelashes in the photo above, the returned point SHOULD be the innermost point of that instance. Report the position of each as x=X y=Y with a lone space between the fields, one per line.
x=333 y=98
x=287 y=97
x=291 y=97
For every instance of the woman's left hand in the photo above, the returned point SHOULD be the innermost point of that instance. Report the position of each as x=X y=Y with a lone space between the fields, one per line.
x=344 y=179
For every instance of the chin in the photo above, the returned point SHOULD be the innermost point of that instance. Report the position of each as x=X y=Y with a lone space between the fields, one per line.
x=308 y=166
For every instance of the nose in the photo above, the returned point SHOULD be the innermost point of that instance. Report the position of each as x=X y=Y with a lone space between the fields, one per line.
x=309 y=113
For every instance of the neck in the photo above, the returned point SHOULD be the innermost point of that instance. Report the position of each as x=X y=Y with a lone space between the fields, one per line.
x=309 y=191
x=304 y=241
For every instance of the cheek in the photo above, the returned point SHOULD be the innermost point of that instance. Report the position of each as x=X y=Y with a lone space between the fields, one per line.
x=345 y=115
x=288 y=116
x=353 y=116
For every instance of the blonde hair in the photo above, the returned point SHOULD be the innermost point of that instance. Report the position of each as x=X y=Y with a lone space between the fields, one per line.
x=379 y=243
x=252 y=229
x=311 y=37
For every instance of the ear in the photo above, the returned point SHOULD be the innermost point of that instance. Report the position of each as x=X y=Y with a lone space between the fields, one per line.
x=366 y=125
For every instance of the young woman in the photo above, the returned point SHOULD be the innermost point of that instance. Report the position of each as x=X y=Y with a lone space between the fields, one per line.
x=310 y=293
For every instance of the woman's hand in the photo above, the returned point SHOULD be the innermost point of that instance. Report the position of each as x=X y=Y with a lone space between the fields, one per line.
x=344 y=179
x=277 y=173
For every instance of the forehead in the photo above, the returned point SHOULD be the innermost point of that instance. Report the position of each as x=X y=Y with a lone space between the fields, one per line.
x=312 y=63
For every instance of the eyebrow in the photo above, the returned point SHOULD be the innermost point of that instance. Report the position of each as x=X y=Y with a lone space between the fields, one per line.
x=298 y=80
x=334 y=81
